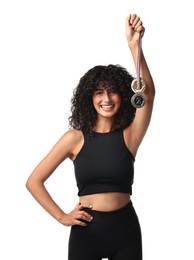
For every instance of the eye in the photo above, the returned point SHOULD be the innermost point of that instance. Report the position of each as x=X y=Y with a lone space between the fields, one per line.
x=113 y=91
x=98 y=93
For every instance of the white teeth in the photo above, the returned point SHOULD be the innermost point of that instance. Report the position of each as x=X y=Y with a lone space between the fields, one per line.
x=107 y=106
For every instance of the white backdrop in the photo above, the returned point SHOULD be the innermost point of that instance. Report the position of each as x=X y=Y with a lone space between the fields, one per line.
x=45 y=47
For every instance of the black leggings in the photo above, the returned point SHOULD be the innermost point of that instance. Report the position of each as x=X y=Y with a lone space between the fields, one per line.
x=115 y=235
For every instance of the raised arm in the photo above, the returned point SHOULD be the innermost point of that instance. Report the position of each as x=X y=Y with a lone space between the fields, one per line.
x=136 y=131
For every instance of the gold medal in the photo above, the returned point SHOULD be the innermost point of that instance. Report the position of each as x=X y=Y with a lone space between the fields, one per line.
x=136 y=88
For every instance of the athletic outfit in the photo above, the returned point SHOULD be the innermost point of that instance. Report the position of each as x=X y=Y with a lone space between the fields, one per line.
x=105 y=164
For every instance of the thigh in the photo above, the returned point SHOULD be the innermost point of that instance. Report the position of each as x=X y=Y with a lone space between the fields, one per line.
x=126 y=254
x=128 y=244
x=82 y=245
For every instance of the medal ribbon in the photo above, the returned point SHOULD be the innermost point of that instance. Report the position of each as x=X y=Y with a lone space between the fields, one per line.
x=138 y=62
x=138 y=85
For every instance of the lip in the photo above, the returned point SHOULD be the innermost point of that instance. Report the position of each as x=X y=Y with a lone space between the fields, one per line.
x=107 y=106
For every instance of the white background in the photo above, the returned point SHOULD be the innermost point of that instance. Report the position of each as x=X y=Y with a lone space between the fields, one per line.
x=45 y=47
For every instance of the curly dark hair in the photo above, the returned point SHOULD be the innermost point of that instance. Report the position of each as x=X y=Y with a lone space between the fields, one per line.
x=83 y=114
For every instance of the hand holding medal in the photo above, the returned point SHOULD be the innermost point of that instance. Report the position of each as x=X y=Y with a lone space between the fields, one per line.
x=134 y=33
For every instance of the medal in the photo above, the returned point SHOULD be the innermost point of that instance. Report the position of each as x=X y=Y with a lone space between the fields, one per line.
x=138 y=100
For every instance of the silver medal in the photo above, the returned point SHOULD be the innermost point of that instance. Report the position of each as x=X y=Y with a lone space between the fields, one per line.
x=138 y=100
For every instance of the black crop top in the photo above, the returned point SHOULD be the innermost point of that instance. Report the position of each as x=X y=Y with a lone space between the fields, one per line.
x=104 y=164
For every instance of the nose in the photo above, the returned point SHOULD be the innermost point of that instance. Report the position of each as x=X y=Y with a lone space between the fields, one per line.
x=107 y=96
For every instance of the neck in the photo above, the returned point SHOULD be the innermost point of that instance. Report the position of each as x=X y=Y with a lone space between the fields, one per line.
x=104 y=126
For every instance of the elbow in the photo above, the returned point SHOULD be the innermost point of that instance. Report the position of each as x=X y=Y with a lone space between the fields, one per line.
x=33 y=183
x=29 y=185
x=150 y=90
x=151 y=94
x=150 y=97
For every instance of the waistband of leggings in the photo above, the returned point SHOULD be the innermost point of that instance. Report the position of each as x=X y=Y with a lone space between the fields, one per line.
x=128 y=206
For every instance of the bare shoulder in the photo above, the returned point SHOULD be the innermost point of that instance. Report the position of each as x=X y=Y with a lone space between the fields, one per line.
x=74 y=135
x=70 y=139
x=74 y=139
x=67 y=145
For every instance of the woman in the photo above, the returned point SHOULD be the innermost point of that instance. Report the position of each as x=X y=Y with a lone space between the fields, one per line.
x=105 y=136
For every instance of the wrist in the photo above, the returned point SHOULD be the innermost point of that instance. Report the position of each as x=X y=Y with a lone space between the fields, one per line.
x=133 y=46
x=61 y=218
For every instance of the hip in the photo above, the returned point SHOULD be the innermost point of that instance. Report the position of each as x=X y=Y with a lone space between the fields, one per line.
x=109 y=222
x=106 y=202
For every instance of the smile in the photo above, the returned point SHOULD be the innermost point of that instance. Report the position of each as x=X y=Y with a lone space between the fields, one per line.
x=107 y=107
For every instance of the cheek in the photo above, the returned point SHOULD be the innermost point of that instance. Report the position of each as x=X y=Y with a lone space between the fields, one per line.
x=95 y=102
x=118 y=100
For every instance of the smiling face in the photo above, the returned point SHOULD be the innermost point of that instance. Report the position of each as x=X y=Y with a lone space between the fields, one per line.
x=106 y=101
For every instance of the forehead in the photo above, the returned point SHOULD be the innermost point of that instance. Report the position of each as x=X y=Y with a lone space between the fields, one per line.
x=104 y=85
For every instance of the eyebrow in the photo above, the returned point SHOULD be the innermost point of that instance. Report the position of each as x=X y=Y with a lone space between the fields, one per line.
x=108 y=88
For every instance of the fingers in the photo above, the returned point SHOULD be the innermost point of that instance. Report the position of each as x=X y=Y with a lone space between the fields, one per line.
x=83 y=217
x=80 y=215
x=135 y=22
x=81 y=206
x=80 y=223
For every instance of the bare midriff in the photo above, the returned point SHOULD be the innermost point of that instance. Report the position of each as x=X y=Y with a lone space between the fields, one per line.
x=106 y=201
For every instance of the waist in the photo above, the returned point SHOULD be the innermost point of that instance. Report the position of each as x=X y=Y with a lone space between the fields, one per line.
x=109 y=201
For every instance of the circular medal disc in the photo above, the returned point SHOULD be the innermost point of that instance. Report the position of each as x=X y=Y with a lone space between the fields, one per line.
x=138 y=100
x=134 y=86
